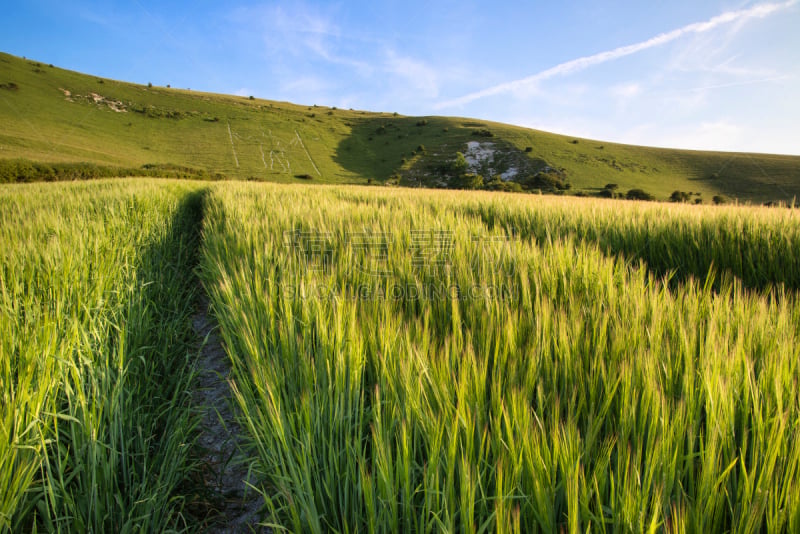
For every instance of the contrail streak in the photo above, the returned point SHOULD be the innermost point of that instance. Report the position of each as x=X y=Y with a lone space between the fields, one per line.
x=576 y=65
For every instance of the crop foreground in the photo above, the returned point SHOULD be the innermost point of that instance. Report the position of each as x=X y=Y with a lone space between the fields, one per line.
x=403 y=360
x=95 y=302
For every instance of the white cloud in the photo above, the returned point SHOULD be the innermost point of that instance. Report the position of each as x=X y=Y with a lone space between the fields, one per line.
x=576 y=65
x=626 y=91
x=417 y=75
x=298 y=29
x=707 y=135
x=726 y=67
x=306 y=85
x=743 y=82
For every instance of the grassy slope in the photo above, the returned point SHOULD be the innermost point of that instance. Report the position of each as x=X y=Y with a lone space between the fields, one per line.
x=274 y=141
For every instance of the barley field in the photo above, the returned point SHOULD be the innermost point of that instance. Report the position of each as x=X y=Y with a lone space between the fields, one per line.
x=95 y=298
x=408 y=361
x=403 y=360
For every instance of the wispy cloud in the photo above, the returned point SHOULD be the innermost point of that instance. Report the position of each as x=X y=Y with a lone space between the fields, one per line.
x=416 y=75
x=744 y=82
x=739 y=17
x=305 y=85
x=304 y=33
x=626 y=90
x=720 y=134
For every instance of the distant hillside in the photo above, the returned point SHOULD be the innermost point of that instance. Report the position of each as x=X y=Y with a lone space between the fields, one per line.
x=53 y=115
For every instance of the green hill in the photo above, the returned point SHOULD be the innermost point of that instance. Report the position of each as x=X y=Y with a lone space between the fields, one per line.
x=53 y=115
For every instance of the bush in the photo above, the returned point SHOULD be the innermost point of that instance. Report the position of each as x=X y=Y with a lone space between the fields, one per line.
x=459 y=166
x=548 y=181
x=483 y=132
x=423 y=122
x=528 y=149
x=719 y=199
x=607 y=193
x=303 y=176
x=639 y=194
x=498 y=184
x=20 y=170
x=679 y=196
x=470 y=181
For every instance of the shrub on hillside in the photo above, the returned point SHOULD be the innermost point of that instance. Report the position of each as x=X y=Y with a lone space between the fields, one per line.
x=459 y=165
x=21 y=170
x=607 y=193
x=498 y=184
x=471 y=181
x=679 y=196
x=639 y=194
x=547 y=181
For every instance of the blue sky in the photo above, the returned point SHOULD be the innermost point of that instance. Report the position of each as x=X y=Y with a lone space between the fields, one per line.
x=711 y=74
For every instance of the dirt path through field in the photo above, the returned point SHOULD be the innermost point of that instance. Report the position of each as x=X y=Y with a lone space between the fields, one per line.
x=235 y=504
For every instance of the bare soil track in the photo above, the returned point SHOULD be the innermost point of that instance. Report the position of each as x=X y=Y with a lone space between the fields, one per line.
x=234 y=504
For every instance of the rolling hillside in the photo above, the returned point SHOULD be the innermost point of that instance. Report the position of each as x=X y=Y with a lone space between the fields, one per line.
x=53 y=115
